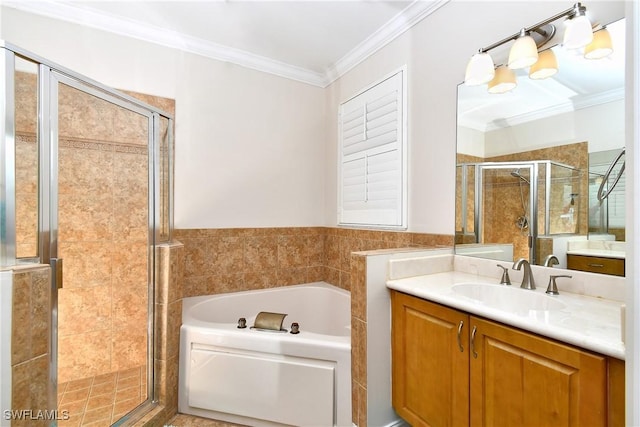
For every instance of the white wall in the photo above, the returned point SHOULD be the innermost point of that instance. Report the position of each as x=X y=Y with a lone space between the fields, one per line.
x=249 y=145
x=258 y=150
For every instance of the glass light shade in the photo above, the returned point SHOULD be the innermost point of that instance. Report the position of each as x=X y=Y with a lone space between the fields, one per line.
x=600 y=47
x=546 y=66
x=577 y=33
x=523 y=53
x=503 y=81
x=480 y=69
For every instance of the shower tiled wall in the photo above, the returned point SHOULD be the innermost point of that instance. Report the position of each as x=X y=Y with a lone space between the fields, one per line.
x=503 y=202
x=575 y=155
x=103 y=235
x=103 y=225
x=31 y=323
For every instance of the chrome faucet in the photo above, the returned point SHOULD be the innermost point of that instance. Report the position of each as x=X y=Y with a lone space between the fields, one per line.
x=551 y=260
x=527 y=279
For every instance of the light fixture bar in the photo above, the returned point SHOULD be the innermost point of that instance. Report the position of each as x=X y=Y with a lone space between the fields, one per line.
x=568 y=13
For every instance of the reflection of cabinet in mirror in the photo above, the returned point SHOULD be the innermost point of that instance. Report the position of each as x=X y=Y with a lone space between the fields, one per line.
x=595 y=264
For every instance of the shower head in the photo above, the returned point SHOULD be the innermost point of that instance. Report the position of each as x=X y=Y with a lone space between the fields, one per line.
x=516 y=173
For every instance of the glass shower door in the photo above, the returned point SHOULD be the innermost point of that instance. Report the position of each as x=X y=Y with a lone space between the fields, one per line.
x=102 y=232
x=506 y=207
x=85 y=178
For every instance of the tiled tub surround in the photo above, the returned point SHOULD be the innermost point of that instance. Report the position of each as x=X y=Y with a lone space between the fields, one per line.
x=231 y=260
x=240 y=259
x=591 y=319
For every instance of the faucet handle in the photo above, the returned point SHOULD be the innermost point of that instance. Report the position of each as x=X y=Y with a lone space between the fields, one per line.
x=552 y=288
x=505 y=275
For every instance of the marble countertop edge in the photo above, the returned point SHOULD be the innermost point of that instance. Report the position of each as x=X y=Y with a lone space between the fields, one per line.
x=587 y=322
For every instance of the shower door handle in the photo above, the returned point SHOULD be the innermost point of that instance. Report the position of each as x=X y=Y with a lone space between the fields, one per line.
x=56 y=272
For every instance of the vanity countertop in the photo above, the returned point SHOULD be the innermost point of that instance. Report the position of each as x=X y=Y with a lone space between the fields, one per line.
x=602 y=253
x=588 y=322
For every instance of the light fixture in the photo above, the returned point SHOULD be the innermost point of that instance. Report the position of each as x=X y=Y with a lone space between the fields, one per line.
x=601 y=45
x=546 y=66
x=524 y=51
x=578 y=32
x=503 y=81
x=480 y=69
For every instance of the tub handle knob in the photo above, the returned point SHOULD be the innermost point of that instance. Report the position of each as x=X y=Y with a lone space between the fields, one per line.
x=242 y=323
x=295 y=328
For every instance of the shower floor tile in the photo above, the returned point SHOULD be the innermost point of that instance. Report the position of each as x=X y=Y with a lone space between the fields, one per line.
x=103 y=399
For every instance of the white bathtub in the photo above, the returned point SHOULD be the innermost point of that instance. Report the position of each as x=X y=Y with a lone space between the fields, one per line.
x=262 y=378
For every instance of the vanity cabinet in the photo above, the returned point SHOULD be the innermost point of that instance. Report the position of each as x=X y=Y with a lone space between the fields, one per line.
x=450 y=368
x=430 y=375
x=593 y=264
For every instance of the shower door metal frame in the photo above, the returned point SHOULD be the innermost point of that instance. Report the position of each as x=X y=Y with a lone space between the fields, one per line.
x=533 y=199
x=8 y=166
x=55 y=79
x=50 y=75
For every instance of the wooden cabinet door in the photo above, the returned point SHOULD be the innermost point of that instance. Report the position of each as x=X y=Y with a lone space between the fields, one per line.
x=430 y=362
x=519 y=379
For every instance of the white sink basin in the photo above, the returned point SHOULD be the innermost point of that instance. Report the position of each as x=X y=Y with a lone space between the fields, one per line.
x=506 y=298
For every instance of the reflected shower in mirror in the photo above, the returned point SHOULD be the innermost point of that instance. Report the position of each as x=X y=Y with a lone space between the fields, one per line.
x=530 y=161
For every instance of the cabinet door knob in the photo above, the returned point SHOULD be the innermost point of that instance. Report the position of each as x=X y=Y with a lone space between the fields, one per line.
x=459 y=338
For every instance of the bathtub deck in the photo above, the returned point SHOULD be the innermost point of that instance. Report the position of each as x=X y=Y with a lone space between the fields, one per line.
x=182 y=420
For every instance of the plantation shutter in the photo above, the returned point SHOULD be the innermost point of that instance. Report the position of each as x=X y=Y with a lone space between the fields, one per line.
x=372 y=184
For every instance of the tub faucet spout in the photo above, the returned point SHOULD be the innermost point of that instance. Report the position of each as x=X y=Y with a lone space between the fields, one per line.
x=527 y=279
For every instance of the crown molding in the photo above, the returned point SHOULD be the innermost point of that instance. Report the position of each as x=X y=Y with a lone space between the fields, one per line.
x=171 y=39
x=579 y=103
x=407 y=18
x=411 y=15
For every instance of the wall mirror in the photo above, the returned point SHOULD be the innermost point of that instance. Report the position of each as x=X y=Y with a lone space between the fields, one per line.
x=530 y=162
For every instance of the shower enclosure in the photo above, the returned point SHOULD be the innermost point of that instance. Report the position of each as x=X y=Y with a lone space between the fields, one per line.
x=512 y=210
x=86 y=189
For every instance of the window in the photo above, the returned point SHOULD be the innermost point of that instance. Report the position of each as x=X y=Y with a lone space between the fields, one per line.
x=372 y=156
